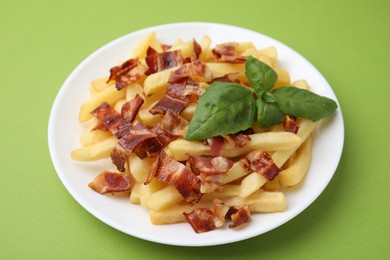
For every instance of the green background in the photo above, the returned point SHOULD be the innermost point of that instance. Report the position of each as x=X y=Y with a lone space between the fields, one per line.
x=43 y=41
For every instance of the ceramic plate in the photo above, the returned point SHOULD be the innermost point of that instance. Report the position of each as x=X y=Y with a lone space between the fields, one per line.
x=64 y=132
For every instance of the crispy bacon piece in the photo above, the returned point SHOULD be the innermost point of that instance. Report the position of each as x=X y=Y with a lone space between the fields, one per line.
x=197 y=49
x=184 y=89
x=209 y=165
x=140 y=140
x=118 y=158
x=110 y=182
x=237 y=140
x=226 y=53
x=239 y=215
x=130 y=108
x=151 y=51
x=211 y=171
x=216 y=145
x=201 y=220
x=290 y=124
x=111 y=120
x=177 y=174
x=168 y=103
x=177 y=97
x=261 y=162
x=196 y=68
x=130 y=71
x=204 y=220
x=162 y=61
x=173 y=124
x=108 y=117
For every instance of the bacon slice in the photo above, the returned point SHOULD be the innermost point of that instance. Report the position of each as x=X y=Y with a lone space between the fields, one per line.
x=177 y=174
x=168 y=103
x=261 y=162
x=140 y=140
x=211 y=171
x=209 y=165
x=177 y=97
x=110 y=182
x=196 y=68
x=239 y=215
x=237 y=140
x=162 y=61
x=130 y=71
x=290 y=124
x=108 y=117
x=118 y=158
x=216 y=145
x=130 y=109
x=226 y=53
x=204 y=220
x=197 y=49
x=173 y=124
x=185 y=88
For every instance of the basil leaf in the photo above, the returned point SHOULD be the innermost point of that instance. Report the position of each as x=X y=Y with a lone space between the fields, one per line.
x=261 y=76
x=268 y=114
x=224 y=108
x=303 y=103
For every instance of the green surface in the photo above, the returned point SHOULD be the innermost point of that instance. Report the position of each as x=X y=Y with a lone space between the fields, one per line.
x=43 y=41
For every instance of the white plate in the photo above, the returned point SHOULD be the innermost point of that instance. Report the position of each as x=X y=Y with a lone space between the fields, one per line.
x=64 y=133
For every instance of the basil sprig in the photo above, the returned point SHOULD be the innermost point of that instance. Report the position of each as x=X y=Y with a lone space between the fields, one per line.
x=227 y=108
x=224 y=108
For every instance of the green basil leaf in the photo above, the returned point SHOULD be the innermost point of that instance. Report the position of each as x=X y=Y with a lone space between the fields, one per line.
x=303 y=103
x=261 y=76
x=268 y=114
x=224 y=108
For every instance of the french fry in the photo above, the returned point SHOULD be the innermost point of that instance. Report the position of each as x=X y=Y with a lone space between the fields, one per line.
x=266 y=202
x=229 y=190
x=251 y=183
x=100 y=84
x=269 y=141
x=93 y=91
x=118 y=105
x=132 y=90
x=270 y=52
x=135 y=194
x=139 y=168
x=205 y=45
x=273 y=185
x=96 y=151
x=146 y=190
x=90 y=136
x=109 y=95
x=298 y=168
x=283 y=78
x=186 y=48
x=174 y=213
x=221 y=69
x=140 y=50
x=189 y=111
x=244 y=46
x=235 y=172
x=177 y=43
x=164 y=198
x=302 y=84
x=158 y=82
x=306 y=127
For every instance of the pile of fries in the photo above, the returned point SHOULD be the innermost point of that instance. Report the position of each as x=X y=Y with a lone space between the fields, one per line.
x=290 y=152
